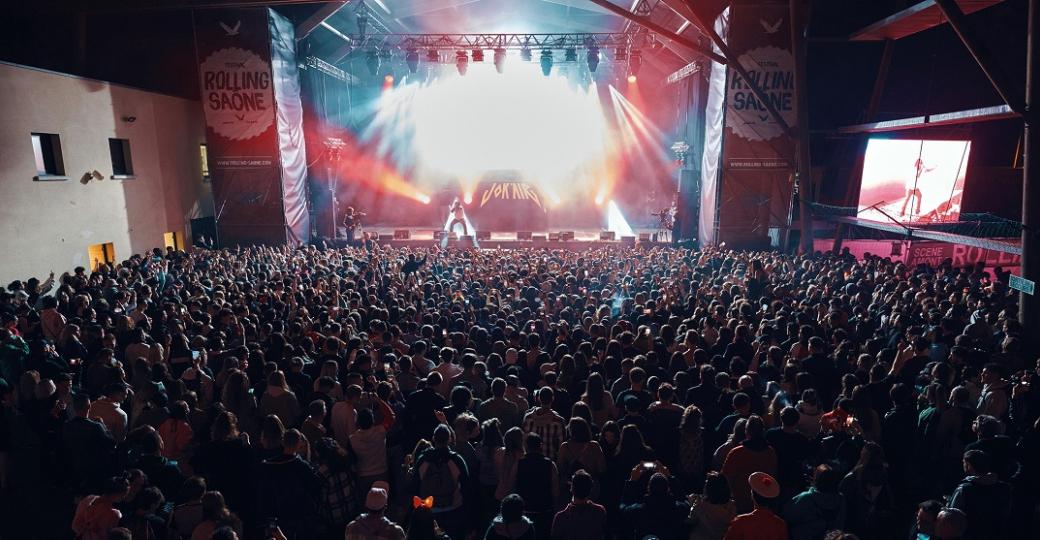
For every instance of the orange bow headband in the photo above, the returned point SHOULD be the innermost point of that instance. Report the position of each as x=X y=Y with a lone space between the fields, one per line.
x=422 y=503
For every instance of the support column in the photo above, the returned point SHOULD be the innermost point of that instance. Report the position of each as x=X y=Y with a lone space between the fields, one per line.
x=1029 y=305
x=803 y=163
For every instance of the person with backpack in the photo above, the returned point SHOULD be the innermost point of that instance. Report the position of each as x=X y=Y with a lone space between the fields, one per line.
x=441 y=473
x=510 y=523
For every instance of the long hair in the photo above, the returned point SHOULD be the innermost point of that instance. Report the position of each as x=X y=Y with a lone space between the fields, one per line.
x=492 y=430
x=594 y=392
x=632 y=444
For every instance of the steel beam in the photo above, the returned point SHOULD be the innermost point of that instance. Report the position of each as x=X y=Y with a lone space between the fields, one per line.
x=1029 y=305
x=959 y=22
x=856 y=172
x=658 y=29
x=683 y=8
x=308 y=25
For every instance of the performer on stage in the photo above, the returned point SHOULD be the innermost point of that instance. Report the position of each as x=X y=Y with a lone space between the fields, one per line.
x=352 y=223
x=458 y=213
x=666 y=222
x=913 y=188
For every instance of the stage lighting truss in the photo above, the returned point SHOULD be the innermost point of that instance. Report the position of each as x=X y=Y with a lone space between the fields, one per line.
x=378 y=49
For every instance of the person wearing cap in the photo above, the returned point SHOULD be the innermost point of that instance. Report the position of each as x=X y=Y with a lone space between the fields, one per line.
x=373 y=524
x=761 y=523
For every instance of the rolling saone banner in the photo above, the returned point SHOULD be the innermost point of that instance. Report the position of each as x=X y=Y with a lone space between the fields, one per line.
x=242 y=132
x=757 y=157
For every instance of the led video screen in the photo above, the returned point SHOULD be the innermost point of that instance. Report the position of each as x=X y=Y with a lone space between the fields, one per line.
x=913 y=181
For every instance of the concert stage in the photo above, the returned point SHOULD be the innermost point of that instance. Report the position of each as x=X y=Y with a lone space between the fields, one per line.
x=563 y=239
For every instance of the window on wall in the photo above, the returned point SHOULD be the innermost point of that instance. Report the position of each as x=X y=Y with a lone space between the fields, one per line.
x=204 y=162
x=172 y=240
x=47 y=153
x=122 y=165
x=99 y=254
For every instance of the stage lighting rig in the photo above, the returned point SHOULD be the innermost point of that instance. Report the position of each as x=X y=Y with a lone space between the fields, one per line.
x=461 y=62
x=547 y=62
x=433 y=56
x=635 y=61
x=525 y=53
x=570 y=54
x=411 y=58
x=620 y=54
x=362 y=19
x=372 y=62
x=592 y=58
x=478 y=55
x=500 y=59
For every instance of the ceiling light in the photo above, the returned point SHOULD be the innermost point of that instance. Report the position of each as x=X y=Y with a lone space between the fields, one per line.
x=372 y=62
x=620 y=54
x=411 y=59
x=500 y=59
x=461 y=62
x=525 y=53
x=433 y=56
x=570 y=54
x=635 y=61
x=592 y=58
x=546 y=61
x=478 y=55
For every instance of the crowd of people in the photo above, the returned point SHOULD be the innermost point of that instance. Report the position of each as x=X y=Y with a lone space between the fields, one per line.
x=615 y=392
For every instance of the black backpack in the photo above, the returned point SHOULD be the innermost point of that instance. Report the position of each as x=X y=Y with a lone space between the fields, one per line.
x=439 y=481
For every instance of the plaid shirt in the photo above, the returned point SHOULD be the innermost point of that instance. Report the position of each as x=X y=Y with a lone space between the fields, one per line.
x=338 y=505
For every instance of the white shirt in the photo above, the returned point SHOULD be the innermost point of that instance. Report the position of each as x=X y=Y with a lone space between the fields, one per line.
x=370 y=447
x=344 y=422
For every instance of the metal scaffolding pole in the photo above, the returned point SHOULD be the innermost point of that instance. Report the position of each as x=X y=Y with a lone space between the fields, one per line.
x=803 y=163
x=1029 y=305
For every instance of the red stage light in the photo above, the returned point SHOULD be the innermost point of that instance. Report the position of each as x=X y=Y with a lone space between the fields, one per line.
x=632 y=79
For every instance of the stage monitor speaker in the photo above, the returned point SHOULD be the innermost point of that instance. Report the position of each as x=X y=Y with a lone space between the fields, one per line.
x=402 y=234
x=387 y=237
x=554 y=237
x=483 y=235
x=644 y=237
x=606 y=236
x=566 y=236
x=628 y=240
x=523 y=235
x=538 y=238
x=688 y=216
x=439 y=235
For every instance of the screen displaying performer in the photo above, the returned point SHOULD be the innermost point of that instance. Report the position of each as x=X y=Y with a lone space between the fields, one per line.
x=913 y=180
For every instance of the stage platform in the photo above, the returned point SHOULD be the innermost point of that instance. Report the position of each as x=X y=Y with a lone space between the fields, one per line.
x=563 y=239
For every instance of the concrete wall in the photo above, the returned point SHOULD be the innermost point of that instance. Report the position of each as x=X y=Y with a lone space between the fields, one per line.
x=48 y=225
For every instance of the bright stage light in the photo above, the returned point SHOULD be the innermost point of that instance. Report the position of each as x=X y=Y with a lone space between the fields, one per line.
x=616 y=221
x=451 y=132
x=388 y=82
x=525 y=53
x=461 y=62
x=478 y=55
x=635 y=61
x=546 y=62
x=632 y=79
x=422 y=197
x=411 y=59
x=500 y=60
x=433 y=56
x=372 y=62
x=592 y=58
x=468 y=197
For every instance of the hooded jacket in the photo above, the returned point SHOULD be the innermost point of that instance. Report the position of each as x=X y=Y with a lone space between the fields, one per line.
x=517 y=530
x=812 y=513
x=986 y=501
